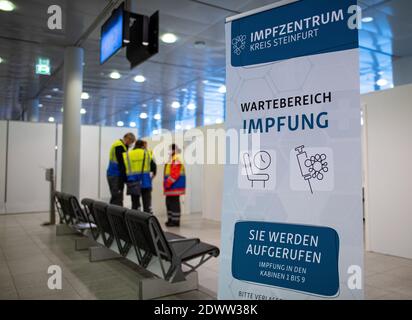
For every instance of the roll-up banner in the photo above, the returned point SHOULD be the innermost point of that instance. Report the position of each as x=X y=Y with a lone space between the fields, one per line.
x=292 y=221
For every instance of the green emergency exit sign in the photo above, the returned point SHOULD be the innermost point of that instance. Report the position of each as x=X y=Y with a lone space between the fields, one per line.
x=43 y=66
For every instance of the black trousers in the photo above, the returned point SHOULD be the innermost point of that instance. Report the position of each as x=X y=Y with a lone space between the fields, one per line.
x=173 y=208
x=116 y=186
x=146 y=195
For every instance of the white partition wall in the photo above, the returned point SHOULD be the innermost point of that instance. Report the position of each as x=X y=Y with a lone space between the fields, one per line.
x=194 y=170
x=89 y=162
x=213 y=174
x=388 y=176
x=31 y=149
x=3 y=153
x=203 y=182
x=158 y=199
x=212 y=197
x=195 y=187
x=59 y=157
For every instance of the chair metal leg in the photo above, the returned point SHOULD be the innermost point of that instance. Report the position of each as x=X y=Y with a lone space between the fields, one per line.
x=102 y=254
x=151 y=288
x=64 y=229
x=84 y=244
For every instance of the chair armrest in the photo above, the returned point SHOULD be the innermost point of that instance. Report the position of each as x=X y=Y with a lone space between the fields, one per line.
x=197 y=240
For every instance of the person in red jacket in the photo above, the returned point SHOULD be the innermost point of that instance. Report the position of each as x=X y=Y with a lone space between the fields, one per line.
x=174 y=185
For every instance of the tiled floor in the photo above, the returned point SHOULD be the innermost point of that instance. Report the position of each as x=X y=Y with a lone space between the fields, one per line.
x=27 y=249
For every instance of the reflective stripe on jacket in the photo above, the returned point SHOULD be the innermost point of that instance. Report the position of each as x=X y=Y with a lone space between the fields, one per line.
x=174 y=182
x=113 y=169
x=136 y=170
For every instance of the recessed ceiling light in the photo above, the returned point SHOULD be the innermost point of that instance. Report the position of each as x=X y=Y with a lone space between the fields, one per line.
x=367 y=19
x=222 y=89
x=219 y=121
x=85 y=95
x=55 y=89
x=158 y=100
x=48 y=96
x=143 y=115
x=40 y=105
x=144 y=105
x=139 y=78
x=169 y=38
x=184 y=90
x=51 y=119
x=157 y=116
x=175 y=105
x=205 y=81
x=6 y=5
x=200 y=44
x=83 y=111
x=115 y=75
x=382 y=82
x=120 y=123
x=191 y=106
x=126 y=112
x=132 y=124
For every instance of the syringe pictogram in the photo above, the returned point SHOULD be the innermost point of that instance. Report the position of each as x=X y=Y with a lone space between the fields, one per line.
x=304 y=170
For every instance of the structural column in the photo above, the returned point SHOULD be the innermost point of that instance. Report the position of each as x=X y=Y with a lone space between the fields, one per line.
x=73 y=86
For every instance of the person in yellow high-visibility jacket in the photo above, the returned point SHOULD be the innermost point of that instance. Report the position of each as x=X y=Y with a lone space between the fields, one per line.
x=153 y=165
x=138 y=162
x=174 y=185
x=116 y=174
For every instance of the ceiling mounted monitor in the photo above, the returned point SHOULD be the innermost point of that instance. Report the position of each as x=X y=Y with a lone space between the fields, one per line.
x=113 y=34
x=144 y=38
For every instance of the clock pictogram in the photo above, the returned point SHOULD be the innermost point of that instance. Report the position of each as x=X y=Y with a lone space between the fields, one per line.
x=262 y=160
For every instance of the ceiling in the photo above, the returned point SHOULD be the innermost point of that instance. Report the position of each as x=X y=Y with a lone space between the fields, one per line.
x=179 y=72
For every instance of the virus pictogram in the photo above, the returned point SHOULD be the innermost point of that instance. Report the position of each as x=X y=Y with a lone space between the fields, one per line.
x=317 y=166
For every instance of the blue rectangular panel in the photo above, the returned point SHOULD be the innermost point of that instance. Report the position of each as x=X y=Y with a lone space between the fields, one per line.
x=296 y=257
x=111 y=35
x=298 y=29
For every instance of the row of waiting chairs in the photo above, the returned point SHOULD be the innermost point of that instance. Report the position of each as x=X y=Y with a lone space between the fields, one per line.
x=136 y=234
